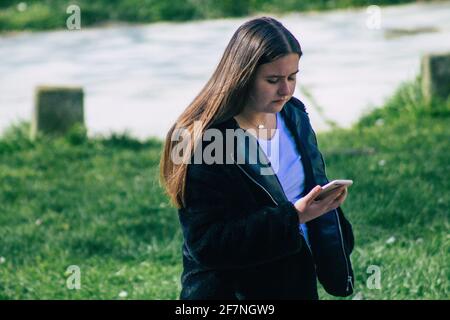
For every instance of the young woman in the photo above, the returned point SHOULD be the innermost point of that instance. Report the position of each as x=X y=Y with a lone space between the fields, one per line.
x=251 y=225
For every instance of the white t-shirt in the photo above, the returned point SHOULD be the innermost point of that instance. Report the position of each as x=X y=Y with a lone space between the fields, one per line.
x=286 y=163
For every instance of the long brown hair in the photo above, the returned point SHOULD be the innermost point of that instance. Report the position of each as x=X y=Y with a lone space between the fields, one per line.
x=256 y=42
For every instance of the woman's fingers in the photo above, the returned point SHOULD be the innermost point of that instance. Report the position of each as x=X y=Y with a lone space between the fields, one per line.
x=303 y=204
x=331 y=197
x=309 y=209
x=333 y=194
x=343 y=195
x=339 y=200
x=313 y=194
x=334 y=197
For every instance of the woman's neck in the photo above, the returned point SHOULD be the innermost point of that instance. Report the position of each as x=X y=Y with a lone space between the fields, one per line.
x=267 y=132
x=255 y=119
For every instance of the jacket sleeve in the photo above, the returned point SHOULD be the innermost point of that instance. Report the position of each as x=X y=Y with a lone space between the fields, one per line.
x=222 y=236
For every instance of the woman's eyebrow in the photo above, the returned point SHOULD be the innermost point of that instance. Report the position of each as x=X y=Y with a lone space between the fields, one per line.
x=279 y=76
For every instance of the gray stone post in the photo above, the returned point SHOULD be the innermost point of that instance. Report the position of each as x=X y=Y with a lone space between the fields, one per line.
x=57 y=109
x=436 y=76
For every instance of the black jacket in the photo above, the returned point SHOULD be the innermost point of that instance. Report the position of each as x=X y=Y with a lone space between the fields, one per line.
x=241 y=234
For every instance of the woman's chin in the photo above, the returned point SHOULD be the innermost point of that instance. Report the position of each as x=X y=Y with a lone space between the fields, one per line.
x=278 y=105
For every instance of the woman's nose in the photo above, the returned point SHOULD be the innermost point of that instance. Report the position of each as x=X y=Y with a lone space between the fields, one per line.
x=284 y=89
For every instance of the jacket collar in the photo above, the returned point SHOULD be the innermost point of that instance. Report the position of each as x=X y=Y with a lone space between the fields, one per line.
x=256 y=165
x=259 y=169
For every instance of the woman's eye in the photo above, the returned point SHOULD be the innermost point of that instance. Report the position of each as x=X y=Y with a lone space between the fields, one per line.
x=275 y=81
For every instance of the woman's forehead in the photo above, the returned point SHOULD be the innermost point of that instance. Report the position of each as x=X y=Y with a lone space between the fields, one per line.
x=282 y=67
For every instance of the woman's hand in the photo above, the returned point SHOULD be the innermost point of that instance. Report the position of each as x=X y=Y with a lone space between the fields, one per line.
x=309 y=209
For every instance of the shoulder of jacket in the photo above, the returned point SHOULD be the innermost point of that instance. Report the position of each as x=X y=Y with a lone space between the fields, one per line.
x=297 y=104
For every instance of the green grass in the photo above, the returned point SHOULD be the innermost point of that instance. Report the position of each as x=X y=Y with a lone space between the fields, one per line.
x=399 y=159
x=401 y=190
x=96 y=203
x=51 y=14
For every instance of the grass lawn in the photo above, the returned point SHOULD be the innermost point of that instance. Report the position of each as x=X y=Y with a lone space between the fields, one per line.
x=97 y=204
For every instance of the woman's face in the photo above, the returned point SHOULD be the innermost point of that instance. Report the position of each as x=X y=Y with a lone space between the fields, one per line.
x=274 y=81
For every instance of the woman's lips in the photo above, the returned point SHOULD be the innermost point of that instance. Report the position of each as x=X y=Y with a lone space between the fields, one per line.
x=280 y=100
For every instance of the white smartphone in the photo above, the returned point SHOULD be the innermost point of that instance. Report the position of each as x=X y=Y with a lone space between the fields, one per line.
x=331 y=186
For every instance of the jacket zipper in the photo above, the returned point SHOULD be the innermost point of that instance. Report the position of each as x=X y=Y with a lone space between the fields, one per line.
x=349 y=278
x=268 y=193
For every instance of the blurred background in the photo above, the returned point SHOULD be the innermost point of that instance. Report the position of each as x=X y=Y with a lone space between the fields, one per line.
x=90 y=197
